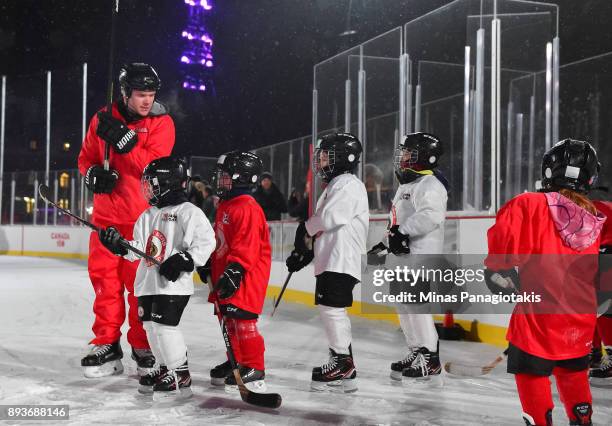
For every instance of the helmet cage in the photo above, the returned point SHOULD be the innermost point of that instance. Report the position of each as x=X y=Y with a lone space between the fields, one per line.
x=324 y=172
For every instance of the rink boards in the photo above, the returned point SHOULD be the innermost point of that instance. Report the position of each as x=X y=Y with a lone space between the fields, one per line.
x=463 y=234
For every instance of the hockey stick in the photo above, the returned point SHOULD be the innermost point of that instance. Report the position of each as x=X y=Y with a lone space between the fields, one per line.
x=268 y=400
x=109 y=90
x=45 y=194
x=474 y=371
x=280 y=295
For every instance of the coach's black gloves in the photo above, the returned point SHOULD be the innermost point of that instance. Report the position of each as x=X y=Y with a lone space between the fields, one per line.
x=116 y=133
x=505 y=281
x=398 y=243
x=112 y=239
x=297 y=261
x=378 y=254
x=229 y=282
x=175 y=264
x=205 y=272
x=101 y=181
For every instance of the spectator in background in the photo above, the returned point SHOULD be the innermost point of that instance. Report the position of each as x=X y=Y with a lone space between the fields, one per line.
x=298 y=203
x=270 y=198
x=195 y=194
x=210 y=202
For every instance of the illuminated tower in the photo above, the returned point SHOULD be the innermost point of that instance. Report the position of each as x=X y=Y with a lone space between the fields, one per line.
x=197 y=56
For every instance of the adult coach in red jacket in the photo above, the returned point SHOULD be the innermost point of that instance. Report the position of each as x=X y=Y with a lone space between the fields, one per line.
x=139 y=130
x=552 y=238
x=240 y=267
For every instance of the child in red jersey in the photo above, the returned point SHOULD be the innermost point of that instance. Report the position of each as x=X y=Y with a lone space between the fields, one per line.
x=553 y=239
x=240 y=267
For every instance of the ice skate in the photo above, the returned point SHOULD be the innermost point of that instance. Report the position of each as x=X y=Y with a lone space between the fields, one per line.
x=253 y=380
x=173 y=385
x=603 y=374
x=145 y=361
x=103 y=360
x=425 y=366
x=146 y=382
x=338 y=374
x=219 y=373
x=399 y=366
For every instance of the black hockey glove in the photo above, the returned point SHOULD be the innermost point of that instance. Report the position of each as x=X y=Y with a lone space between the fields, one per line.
x=116 y=133
x=303 y=242
x=398 y=243
x=505 y=282
x=175 y=264
x=101 y=181
x=378 y=254
x=229 y=282
x=112 y=239
x=297 y=261
x=205 y=272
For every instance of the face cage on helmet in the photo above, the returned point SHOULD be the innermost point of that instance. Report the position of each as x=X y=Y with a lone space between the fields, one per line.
x=150 y=189
x=402 y=164
x=223 y=183
x=325 y=172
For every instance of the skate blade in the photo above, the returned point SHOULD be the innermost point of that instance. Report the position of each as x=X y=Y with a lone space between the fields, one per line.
x=336 y=386
x=172 y=396
x=257 y=386
x=433 y=380
x=217 y=381
x=110 y=368
x=396 y=375
x=601 y=381
x=145 y=390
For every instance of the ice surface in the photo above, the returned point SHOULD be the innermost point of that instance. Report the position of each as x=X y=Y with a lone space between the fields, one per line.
x=45 y=321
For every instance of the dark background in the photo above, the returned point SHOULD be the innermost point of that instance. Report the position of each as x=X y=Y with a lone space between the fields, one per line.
x=264 y=51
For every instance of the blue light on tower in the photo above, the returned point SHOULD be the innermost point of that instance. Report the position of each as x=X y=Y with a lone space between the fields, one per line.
x=197 y=57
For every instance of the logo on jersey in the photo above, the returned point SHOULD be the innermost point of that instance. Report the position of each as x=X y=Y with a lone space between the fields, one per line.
x=406 y=196
x=141 y=130
x=169 y=217
x=225 y=219
x=156 y=246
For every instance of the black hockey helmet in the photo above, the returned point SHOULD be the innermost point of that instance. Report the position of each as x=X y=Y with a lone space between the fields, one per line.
x=138 y=76
x=162 y=177
x=570 y=164
x=416 y=153
x=340 y=153
x=237 y=169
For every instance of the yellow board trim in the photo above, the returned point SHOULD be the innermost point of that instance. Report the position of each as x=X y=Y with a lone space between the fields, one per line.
x=44 y=254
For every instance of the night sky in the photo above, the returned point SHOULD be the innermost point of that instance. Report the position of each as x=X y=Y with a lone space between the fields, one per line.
x=264 y=51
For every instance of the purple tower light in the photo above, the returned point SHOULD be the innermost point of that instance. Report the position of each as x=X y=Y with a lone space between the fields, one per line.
x=197 y=59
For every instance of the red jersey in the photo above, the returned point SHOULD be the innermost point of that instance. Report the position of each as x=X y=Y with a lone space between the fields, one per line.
x=556 y=259
x=242 y=236
x=126 y=202
x=605 y=207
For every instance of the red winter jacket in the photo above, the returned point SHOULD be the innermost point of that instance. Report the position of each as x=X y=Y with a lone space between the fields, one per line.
x=242 y=236
x=554 y=243
x=126 y=202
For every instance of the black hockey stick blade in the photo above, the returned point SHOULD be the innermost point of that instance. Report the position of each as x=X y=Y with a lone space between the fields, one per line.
x=267 y=400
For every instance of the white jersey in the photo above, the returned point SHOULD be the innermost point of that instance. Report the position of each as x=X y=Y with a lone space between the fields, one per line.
x=164 y=232
x=419 y=208
x=340 y=223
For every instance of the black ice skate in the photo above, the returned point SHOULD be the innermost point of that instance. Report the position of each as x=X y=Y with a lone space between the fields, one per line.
x=425 y=365
x=253 y=379
x=399 y=366
x=103 y=360
x=145 y=361
x=338 y=374
x=174 y=384
x=146 y=382
x=603 y=374
x=219 y=373
x=595 y=359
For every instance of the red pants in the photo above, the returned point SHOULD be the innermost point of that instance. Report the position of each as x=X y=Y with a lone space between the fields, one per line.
x=247 y=343
x=536 y=396
x=111 y=275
